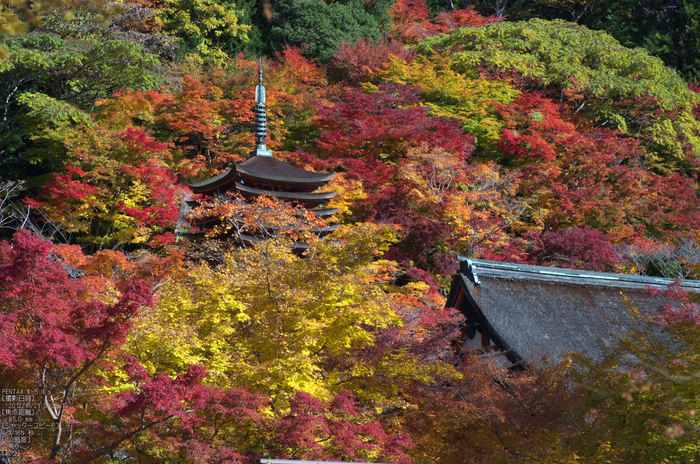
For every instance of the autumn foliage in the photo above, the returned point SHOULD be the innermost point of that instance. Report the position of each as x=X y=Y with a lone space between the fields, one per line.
x=412 y=22
x=152 y=333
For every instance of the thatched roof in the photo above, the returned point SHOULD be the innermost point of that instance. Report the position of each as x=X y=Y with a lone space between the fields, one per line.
x=535 y=312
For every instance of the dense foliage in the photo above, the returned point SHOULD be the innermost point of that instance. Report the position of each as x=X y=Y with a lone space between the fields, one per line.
x=459 y=131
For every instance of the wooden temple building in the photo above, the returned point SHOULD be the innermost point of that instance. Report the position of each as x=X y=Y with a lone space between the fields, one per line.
x=519 y=313
x=263 y=174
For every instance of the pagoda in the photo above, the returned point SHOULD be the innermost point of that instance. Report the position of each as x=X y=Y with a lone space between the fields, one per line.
x=263 y=174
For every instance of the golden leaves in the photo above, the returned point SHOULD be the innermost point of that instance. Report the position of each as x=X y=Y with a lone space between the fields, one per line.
x=270 y=319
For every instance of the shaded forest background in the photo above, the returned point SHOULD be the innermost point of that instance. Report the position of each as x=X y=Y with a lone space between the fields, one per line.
x=550 y=132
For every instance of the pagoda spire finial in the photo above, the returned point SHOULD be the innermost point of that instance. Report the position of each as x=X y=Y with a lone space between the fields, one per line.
x=261 y=117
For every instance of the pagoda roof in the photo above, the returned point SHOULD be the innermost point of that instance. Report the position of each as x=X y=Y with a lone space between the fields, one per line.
x=221 y=181
x=323 y=231
x=297 y=247
x=267 y=168
x=324 y=212
x=263 y=174
x=263 y=170
x=306 y=198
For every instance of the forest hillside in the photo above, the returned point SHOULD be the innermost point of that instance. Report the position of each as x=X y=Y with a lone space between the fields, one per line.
x=559 y=133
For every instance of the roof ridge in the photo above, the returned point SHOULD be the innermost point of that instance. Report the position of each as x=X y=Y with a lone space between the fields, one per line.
x=474 y=268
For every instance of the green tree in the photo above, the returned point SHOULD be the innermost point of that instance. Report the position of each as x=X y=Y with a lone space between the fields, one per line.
x=48 y=81
x=668 y=29
x=454 y=95
x=318 y=28
x=19 y=16
x=589 y=70
x=129 y=22
x=209 y=30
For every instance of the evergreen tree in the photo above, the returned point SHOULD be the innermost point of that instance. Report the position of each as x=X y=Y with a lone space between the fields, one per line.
x=318 y=28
